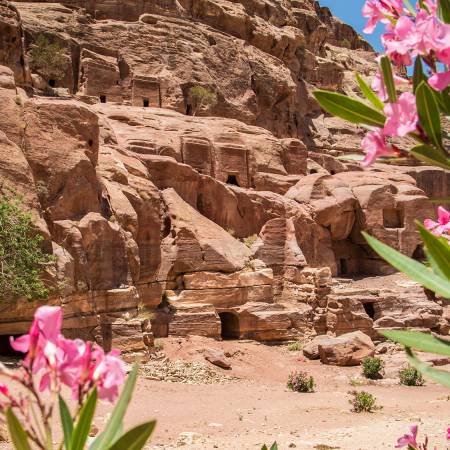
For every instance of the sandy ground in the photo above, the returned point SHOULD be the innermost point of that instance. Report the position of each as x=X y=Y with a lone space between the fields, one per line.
x=259 y=409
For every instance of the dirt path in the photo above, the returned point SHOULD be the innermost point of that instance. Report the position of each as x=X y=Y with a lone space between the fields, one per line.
x=258 y=408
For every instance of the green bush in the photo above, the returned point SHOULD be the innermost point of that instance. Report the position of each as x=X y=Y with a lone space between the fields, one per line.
x=372 y=368
x=410 y=376
x=21 y=257
x=250 y=240
x=363 y=402
x=47 y=59
x=300 y=382
x=295 y=346
x=201 y=96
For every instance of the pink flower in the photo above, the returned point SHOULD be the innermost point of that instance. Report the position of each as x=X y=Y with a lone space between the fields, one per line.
x=409 y=439
x=4 y=389
x=380 y=11
x=399 y=42
x=375 y=145
x=430 y=4
x=431 y=35
x=71 y=362
x=442 y=226
x=448 y=434
x=109 y=373
x=402 y=116
x=440 y=81
x=40 y=342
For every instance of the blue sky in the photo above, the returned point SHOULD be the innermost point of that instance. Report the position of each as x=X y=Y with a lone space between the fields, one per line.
x=349 y=11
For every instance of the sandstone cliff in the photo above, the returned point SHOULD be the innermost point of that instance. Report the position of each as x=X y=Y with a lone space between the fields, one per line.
x=228 y=223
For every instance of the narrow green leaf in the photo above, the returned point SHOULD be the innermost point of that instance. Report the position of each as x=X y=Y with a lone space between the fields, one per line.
x=429 y=116
x=444 y=10
x=418 y=75
x=388 y=78
x=369 y=93
x=439 y=250
x=349 y=109
x=413 y=269
x=105 y=439
x=410 y=7
x=84 y=424
x=66 y=422
x=274 y=446
x=264 y=447
x=18 y=434
x=351 y=157
x=431 y=155
x=136 y=438
x=119 y=433
x=439 y=376
x=418 y=341
x=443 y=101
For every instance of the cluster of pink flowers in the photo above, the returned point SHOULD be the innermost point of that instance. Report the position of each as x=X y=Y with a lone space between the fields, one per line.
x=410 y=440
x=407 y=35
x=55 y=361
x=442 y=226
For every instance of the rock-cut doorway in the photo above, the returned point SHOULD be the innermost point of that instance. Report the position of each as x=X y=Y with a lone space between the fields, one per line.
x=229 y=323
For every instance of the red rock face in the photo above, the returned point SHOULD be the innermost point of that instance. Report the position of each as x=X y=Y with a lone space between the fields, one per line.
x=230 y=223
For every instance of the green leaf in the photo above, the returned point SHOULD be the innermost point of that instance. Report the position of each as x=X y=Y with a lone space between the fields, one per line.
x=413 y=269
x=388 y=78
x=18 y=434
x=444 y=10
x=84 y=424
x=439 y=376
x=354 y=157
x=264 y=447
x=418 y=341
x=430 y=155
x=439 y=251
x=118 y=434
x=136 y=438
x=349 y=109
x=418 y=75
x=274 y=446
x=410 y=7
x=67 y=423
x=369 y=93
x=429 y=116
x=443 y=101
x=105 y=439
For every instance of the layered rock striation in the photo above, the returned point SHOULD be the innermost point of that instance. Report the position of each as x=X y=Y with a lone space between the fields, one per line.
x=229 y=223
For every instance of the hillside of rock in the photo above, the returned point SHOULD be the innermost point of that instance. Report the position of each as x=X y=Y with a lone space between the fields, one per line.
x=230 y=222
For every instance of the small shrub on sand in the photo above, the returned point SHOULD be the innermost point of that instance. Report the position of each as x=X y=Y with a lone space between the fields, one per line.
x=363 y=402
x=372 y=368
x=295 y=346
x=410 y=376
x=300 y=382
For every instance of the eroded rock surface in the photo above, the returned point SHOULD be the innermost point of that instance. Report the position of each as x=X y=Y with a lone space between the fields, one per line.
x=229 y=220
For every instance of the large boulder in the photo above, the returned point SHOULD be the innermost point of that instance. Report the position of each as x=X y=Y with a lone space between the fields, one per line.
x=346 y=350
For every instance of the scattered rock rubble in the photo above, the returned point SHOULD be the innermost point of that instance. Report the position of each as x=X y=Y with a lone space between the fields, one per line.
x=183 y=372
